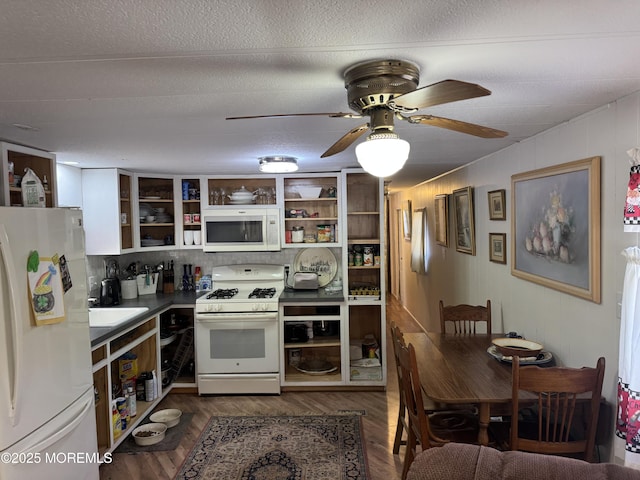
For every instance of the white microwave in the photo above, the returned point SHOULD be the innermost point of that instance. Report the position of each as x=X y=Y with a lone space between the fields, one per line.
x=241 y=229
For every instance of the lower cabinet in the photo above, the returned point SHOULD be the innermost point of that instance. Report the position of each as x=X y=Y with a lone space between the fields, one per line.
x=312 y=337
x=126 y=355
x=177 y=348
x=367 y=344
x=332 y=344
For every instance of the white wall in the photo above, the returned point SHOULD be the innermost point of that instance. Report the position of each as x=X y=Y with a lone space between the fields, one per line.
x=69 y=185
x=577 y=331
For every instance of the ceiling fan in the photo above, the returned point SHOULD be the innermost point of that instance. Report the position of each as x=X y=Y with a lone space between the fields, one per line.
x=386 y=90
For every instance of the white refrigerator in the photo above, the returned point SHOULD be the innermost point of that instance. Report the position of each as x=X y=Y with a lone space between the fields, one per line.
x=47 y=413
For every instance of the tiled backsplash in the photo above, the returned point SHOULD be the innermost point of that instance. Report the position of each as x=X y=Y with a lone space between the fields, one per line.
x=206 y=261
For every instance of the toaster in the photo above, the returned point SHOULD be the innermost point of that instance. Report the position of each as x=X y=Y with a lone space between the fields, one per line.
x=305 y=281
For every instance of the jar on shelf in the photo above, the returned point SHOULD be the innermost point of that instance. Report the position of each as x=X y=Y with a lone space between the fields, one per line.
x=367 y=257
x=297 y=234
x=11 y=179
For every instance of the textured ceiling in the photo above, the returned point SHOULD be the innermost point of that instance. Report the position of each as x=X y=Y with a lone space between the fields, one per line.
x=147 y=84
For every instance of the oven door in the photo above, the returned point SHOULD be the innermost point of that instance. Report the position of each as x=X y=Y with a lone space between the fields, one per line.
x=237 y=342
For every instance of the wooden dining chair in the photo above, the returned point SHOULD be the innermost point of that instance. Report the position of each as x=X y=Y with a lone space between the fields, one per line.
x=447 y=417
x=397 y=340
x=464 y=318
x=419 y=430
x=557 y=428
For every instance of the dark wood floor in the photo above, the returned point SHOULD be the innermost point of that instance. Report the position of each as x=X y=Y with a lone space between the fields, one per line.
x=379 y=421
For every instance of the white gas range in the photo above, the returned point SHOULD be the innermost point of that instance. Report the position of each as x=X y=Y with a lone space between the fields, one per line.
x=236 y=330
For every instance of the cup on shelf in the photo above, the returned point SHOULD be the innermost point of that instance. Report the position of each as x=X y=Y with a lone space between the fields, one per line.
x=123 y=218
x=188 y=237
x=187 y=218
x=195 y=217
x=196 y=237
x=150 y=218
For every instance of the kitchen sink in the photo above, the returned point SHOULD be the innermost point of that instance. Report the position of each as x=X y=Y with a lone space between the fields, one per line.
x=110 y=317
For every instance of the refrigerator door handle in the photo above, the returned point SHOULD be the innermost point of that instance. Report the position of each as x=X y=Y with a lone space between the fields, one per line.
x=62 y=432
x=16 y=318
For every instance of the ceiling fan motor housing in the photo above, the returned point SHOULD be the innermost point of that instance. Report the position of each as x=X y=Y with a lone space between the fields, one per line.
x=373 y=84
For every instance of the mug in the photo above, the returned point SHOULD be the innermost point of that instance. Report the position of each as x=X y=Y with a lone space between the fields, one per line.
x=188 y=237
x=123 y=218
x=195 y=217
x=187 y=218
x=196 y=237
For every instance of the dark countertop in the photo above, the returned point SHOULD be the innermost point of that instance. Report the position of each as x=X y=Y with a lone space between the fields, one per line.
x=291 y=296
x=156 y=303
x=159 y=302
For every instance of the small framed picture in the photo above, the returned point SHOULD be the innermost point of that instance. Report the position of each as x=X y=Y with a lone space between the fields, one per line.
x=496 y=205
x=464 y=221
x=498 y=247
x=442 y=219
x=406 y=216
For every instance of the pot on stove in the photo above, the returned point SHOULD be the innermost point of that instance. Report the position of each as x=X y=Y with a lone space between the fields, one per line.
x=295 y=333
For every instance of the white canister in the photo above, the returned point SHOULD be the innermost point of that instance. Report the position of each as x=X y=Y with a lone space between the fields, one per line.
x=129 y=289
x=367 y=257
x=297 y=234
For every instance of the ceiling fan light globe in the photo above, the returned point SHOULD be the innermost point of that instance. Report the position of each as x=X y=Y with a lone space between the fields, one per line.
x=278 y=164
x=382 y=157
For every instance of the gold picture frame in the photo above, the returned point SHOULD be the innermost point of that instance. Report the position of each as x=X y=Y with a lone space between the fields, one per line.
x=442 y=219
x=497 y=210
x=498 y=247
x=555 y=227
x=464 y=220
x=406 y=220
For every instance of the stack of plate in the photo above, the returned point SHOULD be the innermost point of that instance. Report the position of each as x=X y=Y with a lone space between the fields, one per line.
x=150 y=242
x=146 y=209
x=162 y=217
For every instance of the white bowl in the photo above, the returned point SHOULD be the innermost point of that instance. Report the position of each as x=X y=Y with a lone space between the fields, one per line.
x=309 y=192
x=517 y=347
x=149 y=433
x=170 y=417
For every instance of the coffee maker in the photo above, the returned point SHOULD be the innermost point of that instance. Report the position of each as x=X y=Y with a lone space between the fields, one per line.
x=110 y=287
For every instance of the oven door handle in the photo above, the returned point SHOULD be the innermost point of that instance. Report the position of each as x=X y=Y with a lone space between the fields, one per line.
x=227 y=317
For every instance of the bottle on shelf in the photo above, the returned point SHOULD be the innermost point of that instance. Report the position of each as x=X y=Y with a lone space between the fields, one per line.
x=45 y=183
x=168 y=279
x=11 y=177
x=132 y=402
x=117 y=423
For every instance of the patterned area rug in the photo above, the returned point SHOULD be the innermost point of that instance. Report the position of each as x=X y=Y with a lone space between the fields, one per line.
x=323 y=447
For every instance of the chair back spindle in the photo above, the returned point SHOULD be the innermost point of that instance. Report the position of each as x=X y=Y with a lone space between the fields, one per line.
x=559 y=391
x=464 y=318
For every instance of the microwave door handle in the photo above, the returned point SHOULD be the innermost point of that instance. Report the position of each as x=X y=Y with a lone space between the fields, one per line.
x=16 y=317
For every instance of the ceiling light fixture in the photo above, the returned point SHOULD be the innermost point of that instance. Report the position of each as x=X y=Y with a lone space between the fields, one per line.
x=278 y=164
x=382 y=154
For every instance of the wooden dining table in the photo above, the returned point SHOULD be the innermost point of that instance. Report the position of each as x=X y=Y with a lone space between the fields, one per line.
x=456 y=369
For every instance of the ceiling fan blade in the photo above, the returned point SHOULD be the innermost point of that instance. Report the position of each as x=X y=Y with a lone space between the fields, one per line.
x=346 y=140
x=458 y=126
x=445 y=91
x=332 y=115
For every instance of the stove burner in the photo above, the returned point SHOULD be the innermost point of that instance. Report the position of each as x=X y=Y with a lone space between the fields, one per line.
x=262 y=293
x=222 y=293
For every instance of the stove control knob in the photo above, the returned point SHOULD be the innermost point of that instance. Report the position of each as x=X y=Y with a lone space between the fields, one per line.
x=217 y=307
x=264 y=307
x=255 y=307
